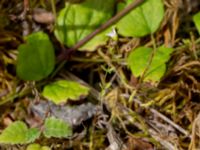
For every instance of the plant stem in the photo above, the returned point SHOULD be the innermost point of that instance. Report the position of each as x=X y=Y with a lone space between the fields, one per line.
x=150 y=60
x=53 y=8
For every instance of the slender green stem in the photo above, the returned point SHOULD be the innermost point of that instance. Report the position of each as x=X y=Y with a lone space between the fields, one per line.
x=58 y=68
x=98 y=60
x=150 y=59
x=53 y=8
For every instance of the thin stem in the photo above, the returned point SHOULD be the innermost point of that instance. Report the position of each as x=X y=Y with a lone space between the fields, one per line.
x=150 y=59
x=53 y=8
x=97 y=60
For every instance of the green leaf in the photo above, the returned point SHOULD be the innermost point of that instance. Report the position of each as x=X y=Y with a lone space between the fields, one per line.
x=196 y=19
x=76 y=21
x=33 y=147
x=18 y=133
x=138 y=60
x=14 y=134
x=143 y=20
x=57 y=128
x=62 y=90
x=36 y=57
x=32 y=134
x=37 y=147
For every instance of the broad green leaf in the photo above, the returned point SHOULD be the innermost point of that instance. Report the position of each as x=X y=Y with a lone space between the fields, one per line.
x=32 y=134
x=57 y=128
x=14 y=134
x=36 y=57
x=37 y=147
x=76 y=21
x=196 y=19
x=18 y=133
x=138 y=60
x=62 y=90
x=143 y=20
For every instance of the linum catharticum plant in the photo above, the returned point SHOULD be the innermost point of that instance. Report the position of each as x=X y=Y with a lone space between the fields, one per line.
x=36 y=59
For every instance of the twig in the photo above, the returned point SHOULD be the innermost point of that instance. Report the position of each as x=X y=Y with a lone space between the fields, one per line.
x=110 y=22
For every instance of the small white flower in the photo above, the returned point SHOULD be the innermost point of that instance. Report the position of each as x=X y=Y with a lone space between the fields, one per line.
x=113 y=34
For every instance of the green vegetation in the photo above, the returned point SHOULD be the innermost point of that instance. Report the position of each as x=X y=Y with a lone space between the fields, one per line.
x=36 y=57
x=63 y=90
x=140 y=58
x=96 y=74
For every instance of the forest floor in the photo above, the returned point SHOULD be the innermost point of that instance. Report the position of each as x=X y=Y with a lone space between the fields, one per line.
x=121 y=111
